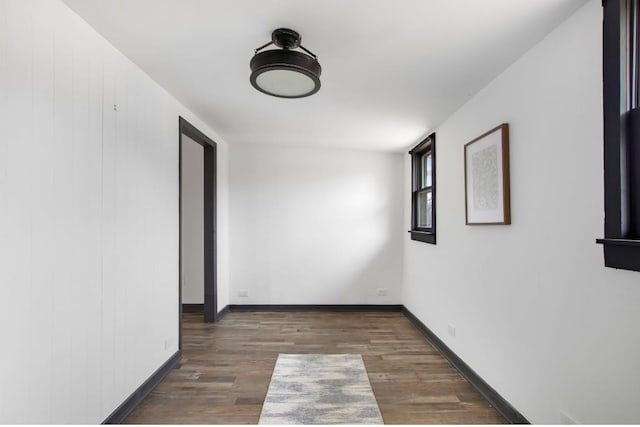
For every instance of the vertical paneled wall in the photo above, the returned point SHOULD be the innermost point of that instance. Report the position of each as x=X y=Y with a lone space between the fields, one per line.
x=88 y=219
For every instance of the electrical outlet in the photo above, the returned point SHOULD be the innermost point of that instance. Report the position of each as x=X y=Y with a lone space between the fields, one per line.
x=168 y=342
x=452 y=330
x=243 y=293
x=382 y=292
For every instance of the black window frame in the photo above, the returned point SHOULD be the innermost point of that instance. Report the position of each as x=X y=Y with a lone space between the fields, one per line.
x=423 y=234
x=621 y=112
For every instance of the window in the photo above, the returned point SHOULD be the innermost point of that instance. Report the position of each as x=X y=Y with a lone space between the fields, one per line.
x=621 y=102
x=423 y=190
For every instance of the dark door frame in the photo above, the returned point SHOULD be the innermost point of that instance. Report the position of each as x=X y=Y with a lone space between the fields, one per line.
x=210 y=252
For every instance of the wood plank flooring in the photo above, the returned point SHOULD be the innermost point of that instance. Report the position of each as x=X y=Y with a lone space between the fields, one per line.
x=226 y=367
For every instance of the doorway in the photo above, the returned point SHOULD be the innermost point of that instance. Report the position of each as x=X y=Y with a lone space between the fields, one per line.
x=195 y=146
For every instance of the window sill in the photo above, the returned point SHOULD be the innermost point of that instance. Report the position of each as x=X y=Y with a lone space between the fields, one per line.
x=423 y=236
x=621 y=253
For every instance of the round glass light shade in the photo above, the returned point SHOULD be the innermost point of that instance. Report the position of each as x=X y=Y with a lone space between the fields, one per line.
x=285 y=83
x=285 y=73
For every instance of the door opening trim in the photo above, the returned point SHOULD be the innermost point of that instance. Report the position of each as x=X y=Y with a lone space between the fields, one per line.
x=210 y=214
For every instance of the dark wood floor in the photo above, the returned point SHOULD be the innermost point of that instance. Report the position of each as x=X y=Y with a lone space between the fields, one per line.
x=226 y=368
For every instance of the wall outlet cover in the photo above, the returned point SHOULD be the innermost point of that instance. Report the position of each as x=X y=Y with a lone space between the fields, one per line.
x=452 y=330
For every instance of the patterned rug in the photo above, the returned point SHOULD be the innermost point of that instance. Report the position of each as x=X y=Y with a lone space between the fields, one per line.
x=320 y=389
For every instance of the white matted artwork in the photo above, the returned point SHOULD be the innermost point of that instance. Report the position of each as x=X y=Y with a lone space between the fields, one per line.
x=486 y=178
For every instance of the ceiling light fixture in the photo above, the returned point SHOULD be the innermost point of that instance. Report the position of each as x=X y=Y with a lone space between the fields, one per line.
x=284 y=72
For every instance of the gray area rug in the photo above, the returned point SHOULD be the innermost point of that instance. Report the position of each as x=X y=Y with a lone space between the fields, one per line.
x=320 y=389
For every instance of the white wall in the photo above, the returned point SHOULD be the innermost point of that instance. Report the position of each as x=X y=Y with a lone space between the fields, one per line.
x=537 y=314
x=88 y=219
x=315 y=226
x=192 y=221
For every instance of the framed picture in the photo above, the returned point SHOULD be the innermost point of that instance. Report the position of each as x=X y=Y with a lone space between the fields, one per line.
x=486 y=178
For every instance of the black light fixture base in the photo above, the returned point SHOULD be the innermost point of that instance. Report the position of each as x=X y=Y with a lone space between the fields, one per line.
x=286 y=38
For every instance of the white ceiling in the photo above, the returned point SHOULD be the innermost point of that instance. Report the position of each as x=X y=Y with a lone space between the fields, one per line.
x=392 y=70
